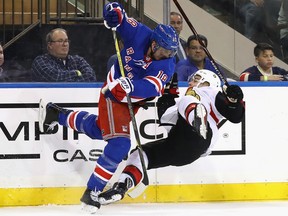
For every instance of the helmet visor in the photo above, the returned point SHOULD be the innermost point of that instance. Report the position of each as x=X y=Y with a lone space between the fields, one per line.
x=166 y=53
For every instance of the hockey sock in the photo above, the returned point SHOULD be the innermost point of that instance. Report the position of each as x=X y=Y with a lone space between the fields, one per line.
x=133 y=169
x=115 y=151
x=131 y=172
x=81 y=121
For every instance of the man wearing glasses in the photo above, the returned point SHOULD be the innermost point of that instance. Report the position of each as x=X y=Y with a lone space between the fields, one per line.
x=176 y=21
x=196 y=59
x=57 y=65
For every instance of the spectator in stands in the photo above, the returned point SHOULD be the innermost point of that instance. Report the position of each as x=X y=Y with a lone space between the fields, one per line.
x=11 y=71
x=196 y=59
x=264 y=70
x=260 y=19
x=59 y=66
x=283 y=26
x=253 y=16
x=176 y=21
x=1 y=57
x=3 y=73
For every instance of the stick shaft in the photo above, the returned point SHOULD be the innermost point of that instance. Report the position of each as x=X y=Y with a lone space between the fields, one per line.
x=145 y=179
x=219 y=73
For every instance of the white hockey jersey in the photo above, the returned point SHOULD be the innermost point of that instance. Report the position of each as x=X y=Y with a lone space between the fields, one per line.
x=204 y=95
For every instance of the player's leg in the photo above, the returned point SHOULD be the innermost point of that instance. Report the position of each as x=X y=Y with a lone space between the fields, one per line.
x=50 y=114
x=155 y=154
x=114 y=122
x=182 y=146
x=115 y=151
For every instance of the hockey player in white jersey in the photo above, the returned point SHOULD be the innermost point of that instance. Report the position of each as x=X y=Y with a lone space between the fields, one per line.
x=192 y=123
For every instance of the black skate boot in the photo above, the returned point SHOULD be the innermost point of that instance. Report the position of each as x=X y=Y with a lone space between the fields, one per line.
x=48 y=116
x=90 y=201
x=200 y=120
x=116 y=193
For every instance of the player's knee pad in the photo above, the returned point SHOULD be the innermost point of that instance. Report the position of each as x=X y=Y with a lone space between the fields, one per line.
x=117 y=148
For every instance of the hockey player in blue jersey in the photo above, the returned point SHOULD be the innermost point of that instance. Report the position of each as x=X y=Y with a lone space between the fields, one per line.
x=148 y=60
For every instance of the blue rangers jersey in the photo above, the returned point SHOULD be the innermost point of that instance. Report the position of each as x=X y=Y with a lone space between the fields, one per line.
x=147 y=75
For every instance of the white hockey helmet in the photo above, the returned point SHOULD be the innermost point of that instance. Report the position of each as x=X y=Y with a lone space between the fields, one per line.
x=208 y=76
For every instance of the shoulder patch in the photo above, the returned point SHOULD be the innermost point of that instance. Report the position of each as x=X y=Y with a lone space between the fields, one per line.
x=191 y=92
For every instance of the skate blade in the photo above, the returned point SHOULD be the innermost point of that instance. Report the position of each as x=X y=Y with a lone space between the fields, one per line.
x=42 y=114
x=138 y=190
x=114 y=198
x=200 y=114
x=88 y=208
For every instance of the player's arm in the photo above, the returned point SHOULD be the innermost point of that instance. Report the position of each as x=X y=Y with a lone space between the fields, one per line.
x=158 y=74
x=138 y=90
x=167 y=99
x=230 y=103
x=149 y=86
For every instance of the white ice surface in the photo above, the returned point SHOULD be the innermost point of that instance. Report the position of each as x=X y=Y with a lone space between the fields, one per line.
x=279 y=208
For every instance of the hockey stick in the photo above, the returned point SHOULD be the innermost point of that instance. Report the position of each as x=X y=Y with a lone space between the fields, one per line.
x=219 y=73
x=145 y=180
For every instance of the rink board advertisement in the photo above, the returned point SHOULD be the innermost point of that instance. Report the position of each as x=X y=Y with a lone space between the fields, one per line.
x=249 y=156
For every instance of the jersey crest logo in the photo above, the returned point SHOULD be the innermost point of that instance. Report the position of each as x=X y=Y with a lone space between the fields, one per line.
x=142 y=63
x=139 y=62
x=191 y=92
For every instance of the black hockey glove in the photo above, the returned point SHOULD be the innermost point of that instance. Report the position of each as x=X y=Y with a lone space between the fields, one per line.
x=233 y=93
x=171 y=87
x=171 y=92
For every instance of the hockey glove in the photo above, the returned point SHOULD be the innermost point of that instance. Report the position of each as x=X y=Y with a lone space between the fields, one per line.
x=233 y=93
x=171 y=87
x=171 y=92
x=118 y=89
x=113 y=14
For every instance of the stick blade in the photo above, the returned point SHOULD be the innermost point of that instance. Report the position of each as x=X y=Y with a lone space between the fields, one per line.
x=141 y=187
x=138 y=190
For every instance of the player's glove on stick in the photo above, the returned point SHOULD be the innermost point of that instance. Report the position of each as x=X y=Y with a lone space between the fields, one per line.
x=233 y=93
x=171 y=92
x=118 y=89
x=171 y=87
x=113 y=15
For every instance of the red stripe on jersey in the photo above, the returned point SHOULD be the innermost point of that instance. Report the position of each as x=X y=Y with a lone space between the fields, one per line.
x=212 y=114
x=101 y=172
x=188 y=110
x=244 y=76
x=135 y=172
x=71 y=120
x=156 y=81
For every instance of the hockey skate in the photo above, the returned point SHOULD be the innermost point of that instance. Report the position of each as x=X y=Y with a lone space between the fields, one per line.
x=200 y=120
x=48 y=116
x=89 y=201
x=114 y=194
